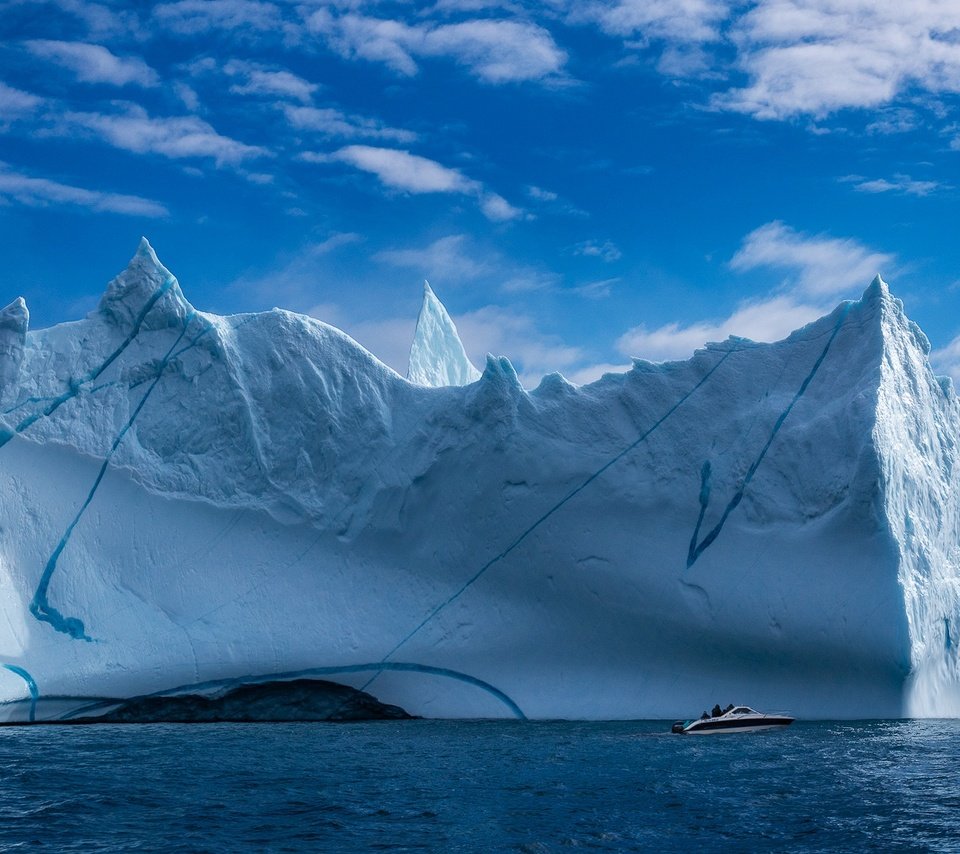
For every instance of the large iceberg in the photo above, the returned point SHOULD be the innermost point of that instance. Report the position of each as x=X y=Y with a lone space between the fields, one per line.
x=187 y=500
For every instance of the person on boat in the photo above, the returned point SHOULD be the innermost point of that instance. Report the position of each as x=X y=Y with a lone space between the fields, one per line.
x=728 y=708
x=717 y=711
x=704 y=716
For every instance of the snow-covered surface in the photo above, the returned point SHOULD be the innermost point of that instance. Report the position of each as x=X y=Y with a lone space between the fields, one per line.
x=187 y=498
x=437 y=357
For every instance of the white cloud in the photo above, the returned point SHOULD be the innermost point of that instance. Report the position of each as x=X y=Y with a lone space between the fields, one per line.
x=606 y=251
x=15 y=103
x=814 y=57
x=263 y=80
x=498 y=209
x=402 y=170
x=93 y=63
x=101 y=20
x=596 y=290
x=538 y=194
x=444 y=260
x=175 y=137
x=38 y=192
x=411 y=173
x=495 y=51
x=335 y=123
x=821 y=265
x=683 y=21
x=191 y=17
x=766 y=320
x=899 y=184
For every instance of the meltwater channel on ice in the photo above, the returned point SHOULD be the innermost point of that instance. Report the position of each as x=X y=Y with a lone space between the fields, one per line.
x=187 y=498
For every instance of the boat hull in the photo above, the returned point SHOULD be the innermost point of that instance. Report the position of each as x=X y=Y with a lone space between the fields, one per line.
x=716 y=727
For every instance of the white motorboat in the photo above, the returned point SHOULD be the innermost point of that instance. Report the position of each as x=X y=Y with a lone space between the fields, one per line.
x=737 y=719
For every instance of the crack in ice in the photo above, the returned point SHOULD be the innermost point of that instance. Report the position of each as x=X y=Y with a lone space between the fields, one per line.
x=696 y=549
x=40 y=606
x=546 y=515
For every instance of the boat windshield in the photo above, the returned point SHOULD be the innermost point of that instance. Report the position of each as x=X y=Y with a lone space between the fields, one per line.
x=743 y=710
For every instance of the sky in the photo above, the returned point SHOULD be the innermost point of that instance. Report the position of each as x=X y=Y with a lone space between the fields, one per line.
x=582 y=182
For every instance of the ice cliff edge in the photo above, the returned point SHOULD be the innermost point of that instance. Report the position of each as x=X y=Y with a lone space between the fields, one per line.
x=186 y=498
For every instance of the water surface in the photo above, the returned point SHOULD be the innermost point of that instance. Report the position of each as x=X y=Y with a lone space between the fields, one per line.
x=480 y=786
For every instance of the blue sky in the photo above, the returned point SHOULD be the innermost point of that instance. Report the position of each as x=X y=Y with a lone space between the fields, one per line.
x=580 y=181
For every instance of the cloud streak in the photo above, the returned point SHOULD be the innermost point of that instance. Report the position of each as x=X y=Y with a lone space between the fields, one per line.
x=333 y=123
x=495 y=51
x=93 y=63
x=39 y=192
x=175 y=137
x=411 y=173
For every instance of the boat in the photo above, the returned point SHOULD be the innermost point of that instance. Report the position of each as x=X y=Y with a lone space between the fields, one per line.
x=737 y=719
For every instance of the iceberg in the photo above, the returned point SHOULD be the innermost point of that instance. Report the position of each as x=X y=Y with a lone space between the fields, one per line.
x=437 y=356
x=188 y=499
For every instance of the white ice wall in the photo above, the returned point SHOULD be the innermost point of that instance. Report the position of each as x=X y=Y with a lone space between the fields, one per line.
x=188 y=497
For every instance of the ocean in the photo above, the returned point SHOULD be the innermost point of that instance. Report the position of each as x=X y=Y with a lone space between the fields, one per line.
x=480 y=786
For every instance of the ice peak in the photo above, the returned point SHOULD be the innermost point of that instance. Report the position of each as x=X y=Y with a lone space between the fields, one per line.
x=14 y=320
x=16 y=316
x=876 y=290
x=145 y=285
x=437 y=356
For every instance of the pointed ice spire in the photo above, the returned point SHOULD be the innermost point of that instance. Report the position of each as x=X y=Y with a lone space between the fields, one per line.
x=14 y=320
x=145 y=284
x=437 y=357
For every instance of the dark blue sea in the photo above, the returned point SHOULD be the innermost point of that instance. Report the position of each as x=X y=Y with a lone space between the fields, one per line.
x=480 y=786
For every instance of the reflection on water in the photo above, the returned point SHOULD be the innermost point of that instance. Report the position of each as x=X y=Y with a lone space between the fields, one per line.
x=476 y=786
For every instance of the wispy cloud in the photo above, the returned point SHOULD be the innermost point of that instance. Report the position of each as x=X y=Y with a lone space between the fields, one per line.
x=495 y=51
x=266 y=81
x=600 y=289
x=334 y=123
x=605 y=250
x=37 y=192
x=454 y=259
x=93 y=63
x=411 y=173
x=765 y=320
x=682 y=21
x=819 y=264
x=818 y=268
x=174 y=137
x=898 y=184
x=15 y=103
x=538 y=194
x=193 y=17
x=446 y=259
